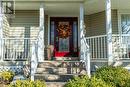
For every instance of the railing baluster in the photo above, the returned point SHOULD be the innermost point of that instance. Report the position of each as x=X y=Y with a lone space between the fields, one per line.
x=17 y=48
x=105 y=47
x=90 y=45
x=96 y=47
x=127 y=52
x=93 y=48
x=99 y=56
x=101 y=48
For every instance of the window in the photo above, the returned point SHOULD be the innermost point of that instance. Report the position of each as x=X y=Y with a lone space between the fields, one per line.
x=125 y=23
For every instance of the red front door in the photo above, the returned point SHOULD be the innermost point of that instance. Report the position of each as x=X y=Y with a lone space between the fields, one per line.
x=64 y=36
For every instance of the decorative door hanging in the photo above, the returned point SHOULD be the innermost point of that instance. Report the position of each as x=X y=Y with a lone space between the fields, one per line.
x=64 y=30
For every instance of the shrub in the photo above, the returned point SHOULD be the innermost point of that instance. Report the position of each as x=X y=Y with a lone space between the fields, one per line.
x=84 y=81
x=115 y=76
x=94 y=82
x=28 y=83
x=6 y=76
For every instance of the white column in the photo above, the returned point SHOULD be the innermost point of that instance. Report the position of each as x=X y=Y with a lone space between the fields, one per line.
x=41 y=36
x=109 y=31
x=1 y=32
x=81 y=31
x=84 y=48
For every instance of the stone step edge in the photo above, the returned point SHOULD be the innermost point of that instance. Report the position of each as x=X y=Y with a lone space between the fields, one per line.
x=37 y=74
x=58 y=61
x=55 y=82
x=56 y=67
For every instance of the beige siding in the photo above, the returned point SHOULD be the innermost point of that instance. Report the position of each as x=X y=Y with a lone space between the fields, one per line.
x=114 y=22
x=25 y=18
x=96 y=23
x=24 y=24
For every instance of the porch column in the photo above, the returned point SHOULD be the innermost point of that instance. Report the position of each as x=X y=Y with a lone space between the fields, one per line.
x=41 y=35
x=109 y=32
x=84 y=48
x=1 y=32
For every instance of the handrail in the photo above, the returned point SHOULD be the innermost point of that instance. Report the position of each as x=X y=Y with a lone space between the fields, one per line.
x=95 y=36
x=34 y=60
x=85 y=53
x=106 y=35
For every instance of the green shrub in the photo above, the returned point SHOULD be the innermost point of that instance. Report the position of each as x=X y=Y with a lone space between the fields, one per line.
x=28 y=83
x=6 y=76
x=82 y=81
x=94 y=82
x=115 y=76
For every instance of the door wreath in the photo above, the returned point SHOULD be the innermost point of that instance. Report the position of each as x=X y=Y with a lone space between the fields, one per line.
x=64 y=31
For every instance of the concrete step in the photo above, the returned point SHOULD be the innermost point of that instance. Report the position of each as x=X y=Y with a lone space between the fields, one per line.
x=54 y=77
x=48 y=64
x=55 y=84
x=60 y=64
x=60 y=70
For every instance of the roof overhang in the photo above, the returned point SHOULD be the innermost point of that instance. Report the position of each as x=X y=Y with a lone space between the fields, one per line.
x=69 y=6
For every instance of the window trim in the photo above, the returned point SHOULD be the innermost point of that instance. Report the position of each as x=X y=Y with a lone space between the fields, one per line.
x=120 y=12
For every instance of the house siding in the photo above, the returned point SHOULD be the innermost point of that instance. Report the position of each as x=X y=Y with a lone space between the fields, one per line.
x=114 y=22
x=25 y=18
x=96 y=23
x=25 y=24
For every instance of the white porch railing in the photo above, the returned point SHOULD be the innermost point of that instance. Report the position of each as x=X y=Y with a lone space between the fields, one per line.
x=85 y=54
x=121 y=46
x=17 y=48
x=98 y=46
x=34 y=59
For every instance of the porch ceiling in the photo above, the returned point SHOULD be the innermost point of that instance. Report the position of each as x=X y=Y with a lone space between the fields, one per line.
x=70 y=7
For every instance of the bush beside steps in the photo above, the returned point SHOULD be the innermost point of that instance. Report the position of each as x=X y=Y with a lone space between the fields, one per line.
x=7 y=80
x=28 y=83
x=104 y=77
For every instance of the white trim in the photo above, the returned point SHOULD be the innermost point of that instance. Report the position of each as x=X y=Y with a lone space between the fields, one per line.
x=64 y=15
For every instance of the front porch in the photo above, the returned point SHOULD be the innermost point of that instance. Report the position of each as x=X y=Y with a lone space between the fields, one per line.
x=93 y=37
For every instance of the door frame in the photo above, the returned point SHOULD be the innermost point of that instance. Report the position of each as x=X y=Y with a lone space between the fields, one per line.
x=49 y=16
x=78 y=21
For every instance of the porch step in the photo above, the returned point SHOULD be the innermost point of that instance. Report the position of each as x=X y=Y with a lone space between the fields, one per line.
x=59 y=71
x=53 y=77
x=55 y=84
x=60 y=64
